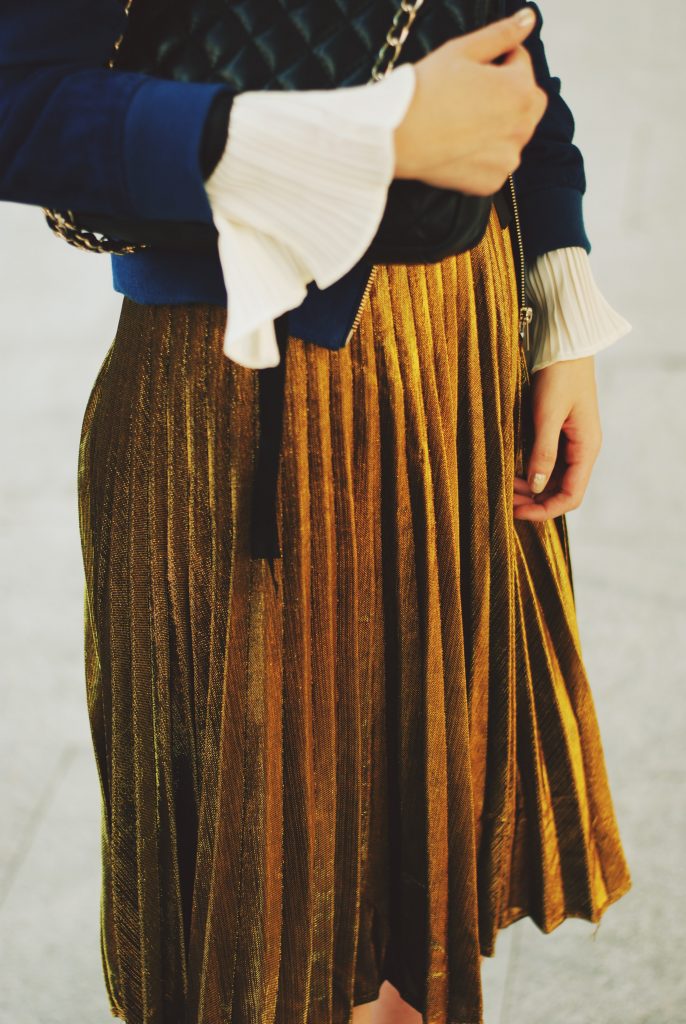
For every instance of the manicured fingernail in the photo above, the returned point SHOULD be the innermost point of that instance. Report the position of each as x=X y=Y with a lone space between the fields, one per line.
x=538 y=482
x=526 y=17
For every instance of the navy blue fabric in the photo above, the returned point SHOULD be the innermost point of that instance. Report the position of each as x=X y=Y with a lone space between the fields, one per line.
x=74 y=135
x=170 y=276
x=325 y=315
x=550 y=180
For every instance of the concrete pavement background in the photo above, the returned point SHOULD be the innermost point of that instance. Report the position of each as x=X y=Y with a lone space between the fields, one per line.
x=623 y=74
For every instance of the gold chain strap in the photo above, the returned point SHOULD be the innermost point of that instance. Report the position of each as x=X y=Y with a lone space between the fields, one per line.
x=120 y=40
x=64 y=224
x=410 y=8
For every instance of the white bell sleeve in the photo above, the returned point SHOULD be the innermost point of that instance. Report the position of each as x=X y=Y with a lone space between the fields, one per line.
x=571 y=316
x=298 y=195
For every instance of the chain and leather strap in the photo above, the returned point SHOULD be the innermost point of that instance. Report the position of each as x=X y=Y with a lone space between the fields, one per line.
x=264 y=540
x=65 y=223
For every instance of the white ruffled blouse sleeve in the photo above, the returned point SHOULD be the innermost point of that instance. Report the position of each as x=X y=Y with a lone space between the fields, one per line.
x=571 y=316
x=298 y=195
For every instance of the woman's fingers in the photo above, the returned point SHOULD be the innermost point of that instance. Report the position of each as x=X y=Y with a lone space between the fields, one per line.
x=548 y=418
x=566 y=442
x=566 y=485
x=521 y=486
x=498 y=37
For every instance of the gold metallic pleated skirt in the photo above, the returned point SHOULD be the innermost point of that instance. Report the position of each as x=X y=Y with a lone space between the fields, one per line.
x=362 y=767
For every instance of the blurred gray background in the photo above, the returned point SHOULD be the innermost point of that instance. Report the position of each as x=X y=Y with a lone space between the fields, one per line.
x=624 y=77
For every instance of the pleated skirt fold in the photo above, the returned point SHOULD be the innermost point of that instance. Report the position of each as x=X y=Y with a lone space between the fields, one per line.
x=366 y=765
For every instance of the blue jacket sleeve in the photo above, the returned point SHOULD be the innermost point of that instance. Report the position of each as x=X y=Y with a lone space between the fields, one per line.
x=75 y=135
x=550 y=180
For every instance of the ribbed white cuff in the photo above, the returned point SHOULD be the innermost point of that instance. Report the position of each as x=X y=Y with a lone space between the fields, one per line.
x=298 y=195
x=572 y=318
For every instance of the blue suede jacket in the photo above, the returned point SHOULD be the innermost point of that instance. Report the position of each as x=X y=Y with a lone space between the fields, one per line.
x=74 y=135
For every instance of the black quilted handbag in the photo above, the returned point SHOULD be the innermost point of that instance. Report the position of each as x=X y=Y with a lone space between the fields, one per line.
x=296 y=44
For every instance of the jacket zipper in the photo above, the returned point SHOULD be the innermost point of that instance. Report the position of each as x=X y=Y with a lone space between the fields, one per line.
x=365 y=293
x=526 y=313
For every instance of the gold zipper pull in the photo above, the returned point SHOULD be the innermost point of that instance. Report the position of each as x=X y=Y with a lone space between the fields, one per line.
x=526 y=315
x=363 y=299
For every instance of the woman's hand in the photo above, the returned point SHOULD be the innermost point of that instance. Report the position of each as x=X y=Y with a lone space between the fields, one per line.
x=469 y=119
x=567 y=439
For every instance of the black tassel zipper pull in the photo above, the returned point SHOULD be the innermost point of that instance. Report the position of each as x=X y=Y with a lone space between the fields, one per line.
x=264 y=535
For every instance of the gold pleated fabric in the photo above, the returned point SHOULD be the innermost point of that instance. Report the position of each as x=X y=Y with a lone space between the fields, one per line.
x=365 y=766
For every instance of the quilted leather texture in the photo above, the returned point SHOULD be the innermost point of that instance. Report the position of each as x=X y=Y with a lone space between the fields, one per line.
x=306 y=44
x=284 y=44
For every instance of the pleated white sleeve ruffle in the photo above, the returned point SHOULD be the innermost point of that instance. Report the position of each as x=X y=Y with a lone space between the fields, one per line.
x=571 y=316
x=298 y=195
